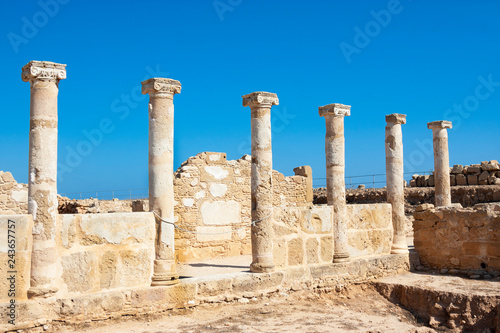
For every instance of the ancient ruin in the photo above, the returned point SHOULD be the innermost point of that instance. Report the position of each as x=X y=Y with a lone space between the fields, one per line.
x=92 y=260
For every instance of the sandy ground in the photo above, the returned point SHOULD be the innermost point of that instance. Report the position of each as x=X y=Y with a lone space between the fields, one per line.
x=358 y=309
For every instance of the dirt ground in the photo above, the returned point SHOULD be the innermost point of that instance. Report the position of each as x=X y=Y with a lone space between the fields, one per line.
x=356 y=309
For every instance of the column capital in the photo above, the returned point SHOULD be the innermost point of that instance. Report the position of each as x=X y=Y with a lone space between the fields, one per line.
x=161 y=87
x=260 y=98
x=396 y=118
x=43 y=70
x=334 y=109
x=440 y=124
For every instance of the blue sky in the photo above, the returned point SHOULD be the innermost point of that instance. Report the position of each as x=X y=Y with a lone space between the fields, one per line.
x=431 y=60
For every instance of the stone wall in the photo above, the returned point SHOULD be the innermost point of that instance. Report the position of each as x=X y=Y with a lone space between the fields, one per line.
x=213 y=205
x=98 y=252
x=13 y=196
x=303 y=235
x=458 y=238
x=486 y=173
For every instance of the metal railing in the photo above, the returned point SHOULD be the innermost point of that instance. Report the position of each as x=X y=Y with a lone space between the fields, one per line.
x=109 y=194
x=370 y=181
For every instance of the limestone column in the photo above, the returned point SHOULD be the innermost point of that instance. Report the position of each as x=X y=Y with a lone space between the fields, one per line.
x=441 y=162
x=262 y=188
x=395 y=179
x=335 y=175
x=161 y=174
x=44 y=79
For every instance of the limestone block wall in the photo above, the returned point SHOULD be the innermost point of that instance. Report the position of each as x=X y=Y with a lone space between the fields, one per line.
x=370 y=229
x=105 y=251
x=21 y=262
x=486 y=173
x=13 y=196
x=213 y=205
x=303 y=235
x=458 y=238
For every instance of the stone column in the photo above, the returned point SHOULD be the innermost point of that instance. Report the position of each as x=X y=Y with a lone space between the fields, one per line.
x=161 y=174
x=335 y=174
x=262 y=188
x=46 y=268
x=395 y=179
x=441 y=162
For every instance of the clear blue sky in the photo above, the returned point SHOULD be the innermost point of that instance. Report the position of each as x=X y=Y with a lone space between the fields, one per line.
x=426 y=59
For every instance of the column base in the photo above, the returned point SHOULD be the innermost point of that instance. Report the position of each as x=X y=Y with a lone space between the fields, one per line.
x=261 y=268
x=165 y=273
x=397 y=249
x=43 y=291
x=341 y=257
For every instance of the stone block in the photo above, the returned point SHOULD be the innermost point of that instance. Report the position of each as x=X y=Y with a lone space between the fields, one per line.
x=369 y=216
x=295 y=252
x=80 y=271
x=431 y=181
x=457 y=169
x=213 y=286
x=453 y=180
x=221 y=212
x=117 y=228
x=312 y=249
x=413 y=183
x=107 y=269
x=473 y=169
x=369 y=242
x=135 y=267
x=472 y=179
x=490 y=166
x=483 y=176
x=279 y=253
x=316 y=220
x=210 y=234
x=68 y=229
x=461 y=179
x=326 y=249
x=215 y=158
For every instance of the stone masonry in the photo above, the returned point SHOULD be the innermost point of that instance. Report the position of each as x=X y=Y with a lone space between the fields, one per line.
x=486 y=173
x=13 y=195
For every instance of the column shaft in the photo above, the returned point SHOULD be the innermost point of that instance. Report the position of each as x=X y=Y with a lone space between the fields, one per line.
x=161 y=171
x=335 y=175
x=441 y=162
x=261 y=182
x=42 y=181
x=395 y=179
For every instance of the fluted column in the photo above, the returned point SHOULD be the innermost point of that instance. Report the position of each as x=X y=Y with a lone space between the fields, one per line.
x=335 y=175
x=161 y=172
x=262 y=188
x=395 y=179
x=441 y=161
x=44 y=79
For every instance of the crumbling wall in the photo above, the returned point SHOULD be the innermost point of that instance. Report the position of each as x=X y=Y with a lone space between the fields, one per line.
x=458 y=238
x=213 y=205
x=486 y=173
x=13 y=196
x=304 y=235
